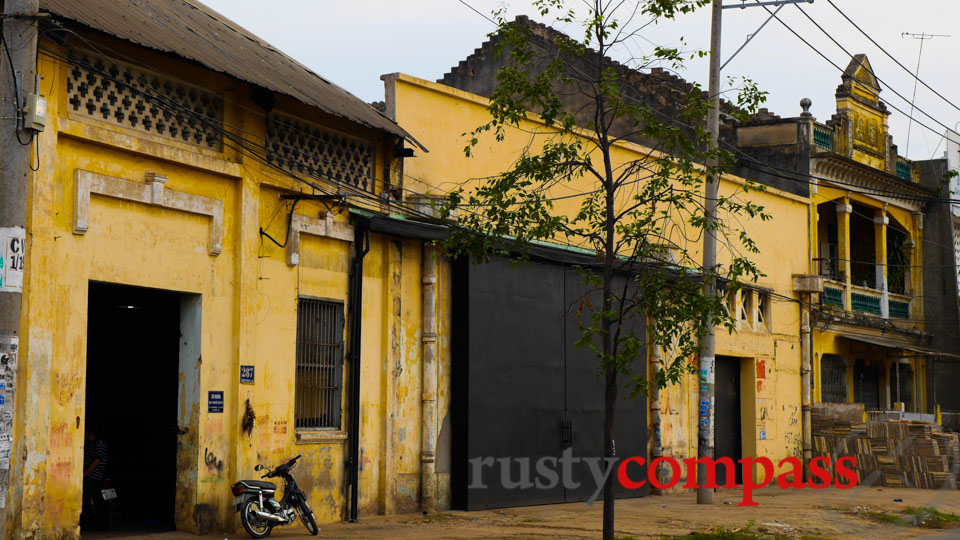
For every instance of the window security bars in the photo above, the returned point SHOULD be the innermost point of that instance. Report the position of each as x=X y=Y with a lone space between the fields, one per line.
x=319 y=376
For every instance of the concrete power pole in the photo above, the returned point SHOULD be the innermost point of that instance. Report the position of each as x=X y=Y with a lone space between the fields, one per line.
x=708 y=360
x=20 y=39
x=708 y=339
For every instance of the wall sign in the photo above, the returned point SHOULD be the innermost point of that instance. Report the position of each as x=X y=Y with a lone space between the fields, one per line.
x=12 y=251
x=246 y=374
x=215 y=401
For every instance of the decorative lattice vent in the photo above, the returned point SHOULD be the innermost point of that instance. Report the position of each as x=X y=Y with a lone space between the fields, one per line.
x=311 y=150
x=135 y=98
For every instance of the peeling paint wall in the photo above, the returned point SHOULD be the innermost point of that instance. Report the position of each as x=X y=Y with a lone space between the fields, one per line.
x=239 y=308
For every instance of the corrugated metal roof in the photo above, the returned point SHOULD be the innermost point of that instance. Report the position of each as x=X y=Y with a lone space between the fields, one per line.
x=192 y=30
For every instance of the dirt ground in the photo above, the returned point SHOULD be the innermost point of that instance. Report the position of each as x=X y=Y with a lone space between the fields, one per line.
x=789 y=514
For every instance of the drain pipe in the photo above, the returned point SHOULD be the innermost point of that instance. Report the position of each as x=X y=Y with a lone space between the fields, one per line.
x=428 y=481
x=806 y=391
x=361 y=245
x=657 y=450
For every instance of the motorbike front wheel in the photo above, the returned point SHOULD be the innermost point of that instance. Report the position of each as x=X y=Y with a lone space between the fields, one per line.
x=255 y=526
x=306 y=516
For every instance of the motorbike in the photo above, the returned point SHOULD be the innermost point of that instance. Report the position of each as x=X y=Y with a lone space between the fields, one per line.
x=259 y=509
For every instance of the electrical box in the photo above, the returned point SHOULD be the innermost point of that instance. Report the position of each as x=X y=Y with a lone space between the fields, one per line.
x=35 y=112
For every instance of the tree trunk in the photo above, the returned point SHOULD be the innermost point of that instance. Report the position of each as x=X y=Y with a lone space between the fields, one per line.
x=609 y=408
x=609 y=347
x=610 y=258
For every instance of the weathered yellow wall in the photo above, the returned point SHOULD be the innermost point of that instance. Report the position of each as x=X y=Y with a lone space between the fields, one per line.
x=437 y=116
x=249 y=301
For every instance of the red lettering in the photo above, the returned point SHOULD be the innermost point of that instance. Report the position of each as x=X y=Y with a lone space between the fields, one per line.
x=848 y=473
x=795 y=473
x=711 y=468
x=820 y=472
x=748 y=485
x=674 y=473
x=624 y=479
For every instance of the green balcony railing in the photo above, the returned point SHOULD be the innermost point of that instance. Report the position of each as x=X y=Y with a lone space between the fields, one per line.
x=899 y=310
x=865 y=303
x=903 y=170
x=833 y=297
x=822 y=139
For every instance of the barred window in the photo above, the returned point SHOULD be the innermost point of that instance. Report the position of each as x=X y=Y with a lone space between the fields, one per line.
x=319 y=363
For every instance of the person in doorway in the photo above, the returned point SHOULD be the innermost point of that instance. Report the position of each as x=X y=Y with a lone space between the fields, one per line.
x=95 y=460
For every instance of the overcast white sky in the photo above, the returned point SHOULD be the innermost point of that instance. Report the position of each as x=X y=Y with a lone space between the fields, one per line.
x=352 y=43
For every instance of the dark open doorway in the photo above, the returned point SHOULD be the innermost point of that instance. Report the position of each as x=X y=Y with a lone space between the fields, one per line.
x=131 y=401
x=727 y=428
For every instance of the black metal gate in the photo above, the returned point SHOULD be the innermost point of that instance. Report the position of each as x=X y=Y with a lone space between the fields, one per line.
x=523 y=394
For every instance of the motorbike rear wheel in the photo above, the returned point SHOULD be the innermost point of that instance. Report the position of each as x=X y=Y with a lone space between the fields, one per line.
x=255 y=526
x=306 y=516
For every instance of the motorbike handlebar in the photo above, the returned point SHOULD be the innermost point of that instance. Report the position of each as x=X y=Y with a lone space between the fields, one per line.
x=273 y=472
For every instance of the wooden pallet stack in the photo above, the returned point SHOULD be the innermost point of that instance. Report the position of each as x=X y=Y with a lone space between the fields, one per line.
x=887 y=452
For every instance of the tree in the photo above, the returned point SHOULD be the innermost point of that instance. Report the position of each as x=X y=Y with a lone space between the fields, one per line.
x=642 y=217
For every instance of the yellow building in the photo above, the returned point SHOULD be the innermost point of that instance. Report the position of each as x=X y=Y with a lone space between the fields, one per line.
x=872 y=345
x=758 y=366
x=200 y=290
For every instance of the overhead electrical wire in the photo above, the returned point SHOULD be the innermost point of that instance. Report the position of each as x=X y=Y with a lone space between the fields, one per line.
x=415 y=211
x=865 y=190
x=842 y=70
x=320 y=158
x=241 y=142
x=356 y=191
x=905 y=68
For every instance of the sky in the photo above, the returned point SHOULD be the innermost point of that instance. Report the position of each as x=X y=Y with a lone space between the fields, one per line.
x=351 y=43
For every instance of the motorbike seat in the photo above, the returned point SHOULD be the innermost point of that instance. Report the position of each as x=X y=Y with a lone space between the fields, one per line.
x=259 y=484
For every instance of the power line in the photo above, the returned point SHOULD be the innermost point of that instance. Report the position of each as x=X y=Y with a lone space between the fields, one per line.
x=905 y=68
x=242 y=146
x=853 y=187
x=923 y=36
x=853 y=57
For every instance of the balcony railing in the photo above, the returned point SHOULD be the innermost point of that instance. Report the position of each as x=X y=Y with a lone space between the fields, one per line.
x=863 y=300
x=822 y=139
x=903 y=169
x=899 y=306
x=832 y=294
x=866 y=300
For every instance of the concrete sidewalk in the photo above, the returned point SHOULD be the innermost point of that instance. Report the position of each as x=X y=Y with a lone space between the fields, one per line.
x=826 y=514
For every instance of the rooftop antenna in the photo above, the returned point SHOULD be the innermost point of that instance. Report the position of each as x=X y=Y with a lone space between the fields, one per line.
x=922 y=36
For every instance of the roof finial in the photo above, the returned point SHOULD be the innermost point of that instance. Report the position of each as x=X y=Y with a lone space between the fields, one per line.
x=806 y=103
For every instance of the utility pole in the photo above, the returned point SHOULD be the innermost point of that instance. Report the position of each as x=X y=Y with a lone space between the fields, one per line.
x=922 y=36
x=20 y=39
x=708 y=360
x=708 y=339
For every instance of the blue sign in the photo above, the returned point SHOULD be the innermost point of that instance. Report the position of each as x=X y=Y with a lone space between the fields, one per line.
x=215 y=401
x=246 y=374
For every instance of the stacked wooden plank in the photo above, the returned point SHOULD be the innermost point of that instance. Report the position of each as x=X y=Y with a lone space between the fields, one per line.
x=887 y=452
